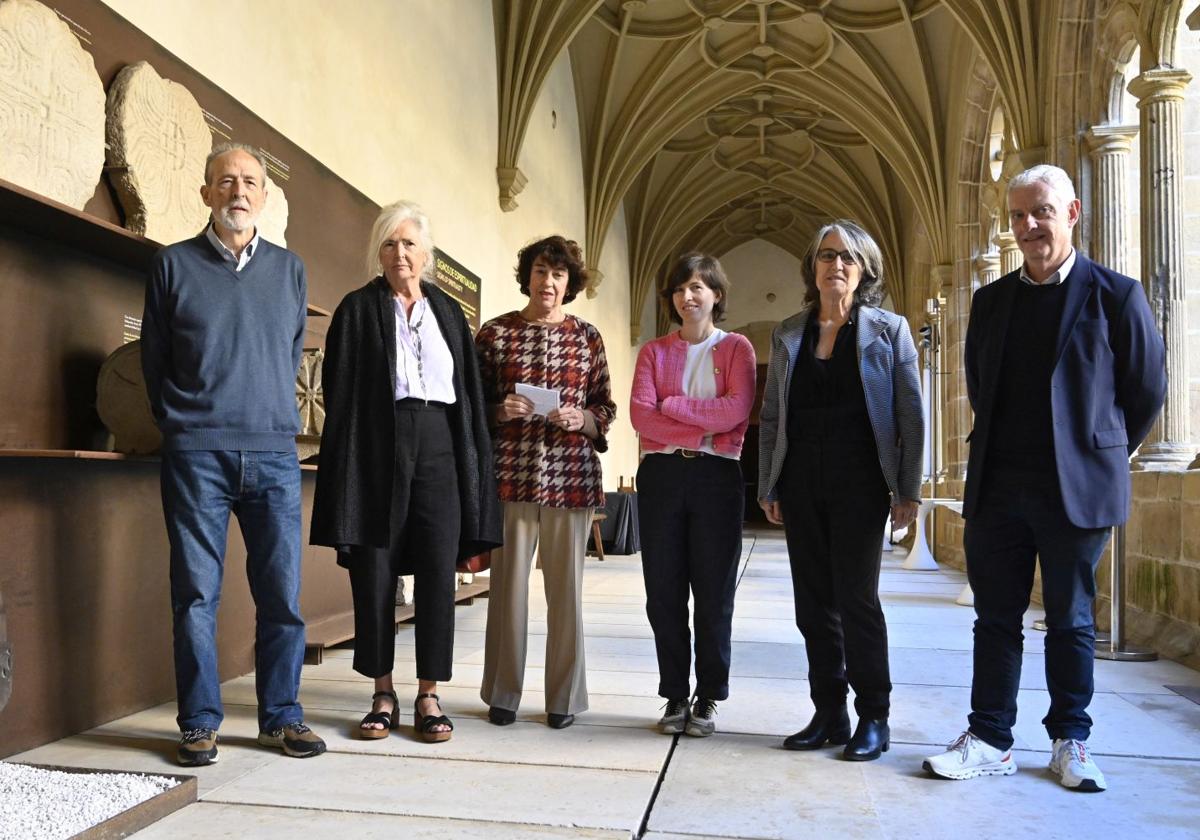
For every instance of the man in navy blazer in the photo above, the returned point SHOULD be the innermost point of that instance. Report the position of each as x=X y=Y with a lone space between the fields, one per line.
x=1065 y=372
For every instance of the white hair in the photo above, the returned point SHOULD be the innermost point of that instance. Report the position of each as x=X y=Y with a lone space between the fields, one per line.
x=390 y=218
x=1052 y=176
x=226 y=148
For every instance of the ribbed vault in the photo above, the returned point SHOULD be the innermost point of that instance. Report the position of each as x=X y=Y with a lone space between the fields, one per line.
x=715 y=122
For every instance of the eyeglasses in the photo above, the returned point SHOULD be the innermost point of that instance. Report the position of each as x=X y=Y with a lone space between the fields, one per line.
x=828 y=255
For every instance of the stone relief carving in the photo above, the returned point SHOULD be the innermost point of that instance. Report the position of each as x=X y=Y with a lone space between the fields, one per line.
x=158 y=141
x=272 y=222
x=310 y=400
x=122 y=403
x=51 y=106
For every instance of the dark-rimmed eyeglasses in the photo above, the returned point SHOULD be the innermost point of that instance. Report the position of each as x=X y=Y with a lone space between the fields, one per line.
x=828 y=255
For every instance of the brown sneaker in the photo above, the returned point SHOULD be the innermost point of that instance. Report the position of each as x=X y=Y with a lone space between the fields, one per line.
x=197 y=747
x=295 y=739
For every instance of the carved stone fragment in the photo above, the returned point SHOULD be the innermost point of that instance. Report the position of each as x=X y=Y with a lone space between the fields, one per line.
x=157 y=143
x=310 y=400
x=51 y=106
x=272 y=223
x=122 y=403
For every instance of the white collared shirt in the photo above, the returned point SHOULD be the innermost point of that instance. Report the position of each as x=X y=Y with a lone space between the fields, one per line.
x=424 y=365
x=1054 y=279
x=239 y=260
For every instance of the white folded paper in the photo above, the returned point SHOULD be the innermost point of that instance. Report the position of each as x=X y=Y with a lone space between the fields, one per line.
x=544 y=400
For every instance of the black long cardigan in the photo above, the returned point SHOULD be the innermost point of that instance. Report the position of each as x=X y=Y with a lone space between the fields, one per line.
x=354 y=481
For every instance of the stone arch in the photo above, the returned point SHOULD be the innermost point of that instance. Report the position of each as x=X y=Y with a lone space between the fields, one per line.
x=1116 y=43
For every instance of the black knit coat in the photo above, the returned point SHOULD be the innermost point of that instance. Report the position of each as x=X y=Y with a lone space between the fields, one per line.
x=352 y=506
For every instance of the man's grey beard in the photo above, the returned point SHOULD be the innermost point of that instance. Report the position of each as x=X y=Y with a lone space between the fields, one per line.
x=227 y=220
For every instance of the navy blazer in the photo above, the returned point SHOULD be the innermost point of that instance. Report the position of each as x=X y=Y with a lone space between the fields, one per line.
x=1108 y=385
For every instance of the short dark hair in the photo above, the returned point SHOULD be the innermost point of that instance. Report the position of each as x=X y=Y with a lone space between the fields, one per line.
x=709 y=270
x=560 y=252
x=870 y=291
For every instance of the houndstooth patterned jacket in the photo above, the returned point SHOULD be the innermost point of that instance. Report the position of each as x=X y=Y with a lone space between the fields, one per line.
x=887 y=363
x=537 y=461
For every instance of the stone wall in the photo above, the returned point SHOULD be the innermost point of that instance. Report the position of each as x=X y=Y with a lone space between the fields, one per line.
x=1162 y=564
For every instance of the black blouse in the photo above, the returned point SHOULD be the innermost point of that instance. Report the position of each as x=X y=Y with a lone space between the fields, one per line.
x=826 y=400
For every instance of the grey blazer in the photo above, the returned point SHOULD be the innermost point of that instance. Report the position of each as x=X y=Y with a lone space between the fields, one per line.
x=887 y=363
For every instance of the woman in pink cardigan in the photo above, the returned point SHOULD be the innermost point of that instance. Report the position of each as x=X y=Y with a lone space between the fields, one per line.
x=692 y=395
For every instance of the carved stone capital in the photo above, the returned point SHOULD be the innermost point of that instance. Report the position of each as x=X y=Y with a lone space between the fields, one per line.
x=511 y=180
x=1159 y=85
x=988 y=261
x=1110 y=140
x=941 y=277
x=595 y=278
x=1018 y=160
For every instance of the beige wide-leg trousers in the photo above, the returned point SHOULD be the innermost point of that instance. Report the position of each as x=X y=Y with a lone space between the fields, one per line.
x=562 y=534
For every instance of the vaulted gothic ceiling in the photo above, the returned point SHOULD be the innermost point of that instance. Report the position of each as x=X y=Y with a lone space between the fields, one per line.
x=715 y=122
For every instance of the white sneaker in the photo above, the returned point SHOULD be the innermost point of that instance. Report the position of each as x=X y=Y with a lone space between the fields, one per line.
x=969 y=757
x=1072 y=762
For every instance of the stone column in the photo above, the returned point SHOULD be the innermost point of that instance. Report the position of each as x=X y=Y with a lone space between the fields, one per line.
x=1160 y=105
x=1011 y=257
x=987 y=266
x=1109 y=146
x=946 y=432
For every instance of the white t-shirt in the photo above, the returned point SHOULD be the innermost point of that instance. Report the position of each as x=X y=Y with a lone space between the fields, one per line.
x=699 y=379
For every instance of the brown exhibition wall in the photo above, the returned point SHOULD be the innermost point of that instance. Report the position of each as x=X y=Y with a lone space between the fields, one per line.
x=86 y=594
x=83 y=562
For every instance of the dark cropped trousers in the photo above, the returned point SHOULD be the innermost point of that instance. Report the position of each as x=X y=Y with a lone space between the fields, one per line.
x=690 y=513
x=835 y=506
x=425 y=524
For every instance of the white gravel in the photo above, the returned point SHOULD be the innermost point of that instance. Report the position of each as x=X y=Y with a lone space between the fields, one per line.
x=37 y=804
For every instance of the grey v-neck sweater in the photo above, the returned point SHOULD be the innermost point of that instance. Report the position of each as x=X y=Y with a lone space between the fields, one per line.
x=220 y=348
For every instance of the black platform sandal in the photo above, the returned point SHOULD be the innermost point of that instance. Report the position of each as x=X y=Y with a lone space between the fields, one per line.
x=389 y=720
x=424 y=725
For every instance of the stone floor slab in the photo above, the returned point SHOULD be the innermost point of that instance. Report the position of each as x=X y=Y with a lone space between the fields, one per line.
x=510 y=793
x=205 y=820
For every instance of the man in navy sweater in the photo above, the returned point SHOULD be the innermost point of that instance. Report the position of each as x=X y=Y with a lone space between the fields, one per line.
x=222 y=334
x=1065 y=371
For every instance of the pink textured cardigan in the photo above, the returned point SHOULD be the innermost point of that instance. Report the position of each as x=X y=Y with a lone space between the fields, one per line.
x=665 y=417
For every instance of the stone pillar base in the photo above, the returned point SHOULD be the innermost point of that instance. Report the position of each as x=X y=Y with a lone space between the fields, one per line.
x=1164 y=455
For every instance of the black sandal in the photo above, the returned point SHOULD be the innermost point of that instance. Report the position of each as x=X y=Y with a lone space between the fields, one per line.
x=389 y=720
x=424 y=724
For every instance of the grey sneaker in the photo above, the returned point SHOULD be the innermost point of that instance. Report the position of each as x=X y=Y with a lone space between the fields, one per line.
x=197 y=747
x=700 y=722
x=1072 y=762
x=674 y=717
x=295 y=739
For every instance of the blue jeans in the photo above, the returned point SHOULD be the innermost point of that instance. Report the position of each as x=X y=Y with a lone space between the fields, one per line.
x=1021 y=520
x=199 y=490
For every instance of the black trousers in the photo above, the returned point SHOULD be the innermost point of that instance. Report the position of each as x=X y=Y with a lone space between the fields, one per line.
x=1021 y=520
x=425 y=528
x=690 y=512
x=835 y=505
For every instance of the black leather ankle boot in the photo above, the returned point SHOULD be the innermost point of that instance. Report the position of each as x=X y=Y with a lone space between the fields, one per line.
x=827 y=726
x=871 y=740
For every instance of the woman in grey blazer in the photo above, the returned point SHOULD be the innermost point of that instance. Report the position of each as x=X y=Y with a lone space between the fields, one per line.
x=840 y=447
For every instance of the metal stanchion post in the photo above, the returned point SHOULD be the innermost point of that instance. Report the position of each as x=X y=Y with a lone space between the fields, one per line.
x=1116 y=649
